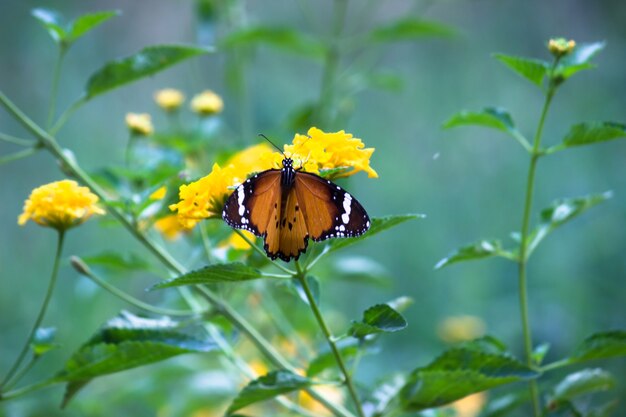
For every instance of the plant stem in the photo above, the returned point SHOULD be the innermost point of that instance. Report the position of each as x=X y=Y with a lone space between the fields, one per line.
x=17 y=141
x=18 y=376
x=55 y=87
x=42 y=311
x=19 y=155
x=301 y=277
x=523 y=255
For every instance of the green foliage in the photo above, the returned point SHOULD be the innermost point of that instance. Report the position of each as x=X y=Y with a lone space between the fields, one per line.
x=534 y=70
x=601 y=346
x=479 y=250
x=348 y=348
x=314 y=286
x=118 y=262
x=505 y=404
x=267 y=387
x=283 y=38
x=231 y=272
x=592 y=132
x=582 y=382
x=65 y=35
x=410 y=29
x=146 y=62
x=578 y=60
x=380 y=318
x=43 y=340
x=126 y=342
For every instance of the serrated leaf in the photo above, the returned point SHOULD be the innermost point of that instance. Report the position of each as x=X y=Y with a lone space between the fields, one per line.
x=284 y=38
x=581 y=383
x=378 y=224
x=87 y=22
x=578 y=60
x=479 y=250
x=231 y=272
x=128 y=341
x=486 y=344
x=52 y=22
x=601 y=346
x=380 y=318
x=562 y=211
x=348 y=348
x=267 y=387
x=43 y=340
x=411 y=28
x=502 y=406
x=314 y=286
x=148 y=61
x=458 y=373
x=534 y=70
x=593 y=132
x=491 y=117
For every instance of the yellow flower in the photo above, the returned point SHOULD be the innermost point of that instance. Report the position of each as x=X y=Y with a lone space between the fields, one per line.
x=235 y=241
x=139 y=124
x=169 y=99
x=258 y=367
x=461 y=328
x=207 y=103
x=159 y=194
x=470 y=406
x=170 y=227
x=332 y=393
x=319 y=151
x=60 y=205
x=253 y=159
x=561 y=46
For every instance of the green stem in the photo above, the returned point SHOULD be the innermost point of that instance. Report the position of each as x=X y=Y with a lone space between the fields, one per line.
x=523 y=256
x=129 y=149
x=301 y=277
x=19 y=155
x=83 y=269
x=9 y=395
x=66 y=115
x=17 y=141
x=18 y=376
x=42 y=311
x=164 y=257
x=555 y=365
x=55 y=87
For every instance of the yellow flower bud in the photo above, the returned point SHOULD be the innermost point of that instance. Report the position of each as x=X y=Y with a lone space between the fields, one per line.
x=560 y=46
x=159 y=194
x=169 y=99
x=139 y=124
x=207 y=103
x=60 y=205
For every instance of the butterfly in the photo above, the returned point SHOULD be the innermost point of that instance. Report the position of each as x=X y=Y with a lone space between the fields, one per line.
x=288 y=206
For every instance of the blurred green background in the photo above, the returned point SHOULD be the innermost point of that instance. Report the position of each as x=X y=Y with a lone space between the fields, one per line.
x=469 y=182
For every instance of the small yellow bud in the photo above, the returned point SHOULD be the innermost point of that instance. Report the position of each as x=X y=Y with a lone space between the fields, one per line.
x=169 y=99
x=139 y=124
x=207 y=103
x=159 y=194
x=560 y=46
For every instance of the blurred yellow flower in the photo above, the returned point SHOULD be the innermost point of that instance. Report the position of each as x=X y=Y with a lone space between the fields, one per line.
x=169 y=99
x=139 y=123
x=60 y=205
x=207 y=103
x=331 y=393
x=461 y=328
x=470 y=406
x=159 y=194
x=258 y=367
x=235 y=241
x=170 y=227
x=561 y=46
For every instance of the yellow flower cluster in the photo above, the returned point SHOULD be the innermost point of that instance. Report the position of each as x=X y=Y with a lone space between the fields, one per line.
x=207 y=103
x=561 y=46
x=60 y=205
x=170 y=227
x=169 y=99
x=139 y=123
x=461 y=328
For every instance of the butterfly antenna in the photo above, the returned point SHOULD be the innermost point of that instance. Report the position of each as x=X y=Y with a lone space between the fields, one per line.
x=272 y=143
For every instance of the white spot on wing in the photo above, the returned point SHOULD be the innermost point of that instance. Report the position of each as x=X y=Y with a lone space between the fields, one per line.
x=347 y=207
x=240 y=197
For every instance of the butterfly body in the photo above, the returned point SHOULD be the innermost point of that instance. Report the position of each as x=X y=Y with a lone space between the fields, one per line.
x=287 y=206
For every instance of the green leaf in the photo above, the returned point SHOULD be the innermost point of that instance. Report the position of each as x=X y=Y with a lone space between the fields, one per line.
x=411 y=28
x=601 y=346
x=486 y=344
x=87 y=22
x=51 y=21
x=267 y=387
x=148 y=61
x=378 y=224
x=578 y=60
x=231 y=272
x=582 y=382
x=360 y=269
x=502 y=406
x=540 y=352
x=491 y=117
x=284 y=38
x=593 y=132
x=380 y=318
x=456 y=374
x=479 y=250
x=116 y=261
x=43 y=340
x=534 y=70
x=128 y=341
x=560 y=212
x=348 y=348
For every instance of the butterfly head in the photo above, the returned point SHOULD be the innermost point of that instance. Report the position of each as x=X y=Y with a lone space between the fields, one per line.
x=287 y=163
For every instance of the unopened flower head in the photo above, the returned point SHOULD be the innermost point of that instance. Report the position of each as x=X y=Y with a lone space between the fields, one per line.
x=139 y=124
x=561 y=46
x=169 y=99
x=207 y=103
x=60 y=205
